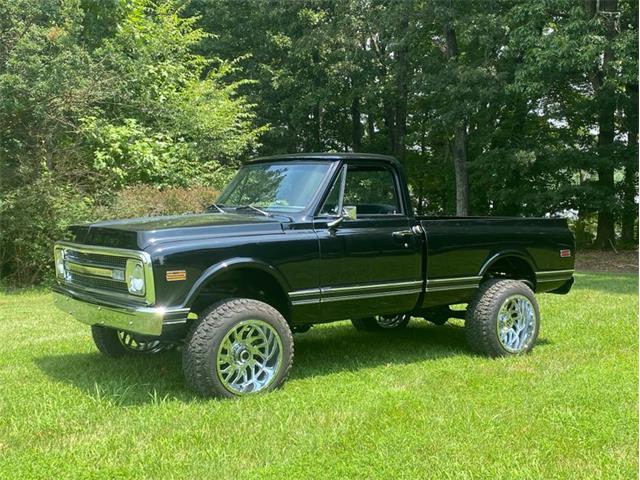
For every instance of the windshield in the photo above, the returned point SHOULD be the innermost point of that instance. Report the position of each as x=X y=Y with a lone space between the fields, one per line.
x=283 y=187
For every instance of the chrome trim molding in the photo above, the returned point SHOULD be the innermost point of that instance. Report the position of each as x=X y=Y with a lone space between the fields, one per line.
x=447 y=288
x=377 y=286
x=305 y=302
x=453 y=283
x=150 y=293
x=332 y=294
x=555 y=272
x=440 y=281
x=548 y=276
x=102 y=272
x=370 y=295
x=304 y=293
x=354 y=292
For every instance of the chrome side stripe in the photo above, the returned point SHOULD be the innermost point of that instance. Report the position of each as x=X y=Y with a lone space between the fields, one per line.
x=455 y=283
x=456 y=280
x=378 y=286
x=359 y=292
x=553 y=275
x=370 y=295
x=305 y=293
x=554 y=272
x=465 y=286
x=355 y=292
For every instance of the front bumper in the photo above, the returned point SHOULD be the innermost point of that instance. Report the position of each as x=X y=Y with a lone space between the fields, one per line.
x=135 y=319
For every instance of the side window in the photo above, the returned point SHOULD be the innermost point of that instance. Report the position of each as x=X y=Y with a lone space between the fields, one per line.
x=330 y=206
x=372 y=190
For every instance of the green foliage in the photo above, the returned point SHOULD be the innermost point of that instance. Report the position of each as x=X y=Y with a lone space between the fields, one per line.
x=30 y=217
x=541 y=97
x=376 y=76
x=96 y=96
x=146 y=200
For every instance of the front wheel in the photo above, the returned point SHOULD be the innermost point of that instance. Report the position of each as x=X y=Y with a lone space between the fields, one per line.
x=503 y=319
x=381 y=322
x=238 y=347
x=118 y=343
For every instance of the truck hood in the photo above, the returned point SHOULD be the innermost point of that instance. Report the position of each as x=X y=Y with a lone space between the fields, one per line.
x=139 y=233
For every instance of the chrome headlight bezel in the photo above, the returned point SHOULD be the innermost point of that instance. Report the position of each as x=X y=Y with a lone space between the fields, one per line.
x=135 y=277
x=58 y=259
x=147 y=295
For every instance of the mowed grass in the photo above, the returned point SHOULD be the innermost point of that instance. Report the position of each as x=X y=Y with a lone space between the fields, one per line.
x=412 y=404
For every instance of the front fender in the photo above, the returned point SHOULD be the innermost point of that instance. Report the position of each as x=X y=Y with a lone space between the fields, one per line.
x=233 y=264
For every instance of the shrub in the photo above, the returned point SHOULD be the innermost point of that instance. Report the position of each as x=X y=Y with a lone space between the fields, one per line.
x=145 y=200
x=31 y=219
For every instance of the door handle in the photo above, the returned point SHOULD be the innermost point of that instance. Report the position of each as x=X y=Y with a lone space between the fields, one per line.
x=402 y=234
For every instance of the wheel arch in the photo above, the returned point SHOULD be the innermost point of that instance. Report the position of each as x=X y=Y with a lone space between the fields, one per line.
x=240 y=277
x=510 y=264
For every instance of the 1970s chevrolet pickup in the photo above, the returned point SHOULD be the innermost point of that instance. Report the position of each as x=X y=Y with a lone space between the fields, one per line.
x=296 y=240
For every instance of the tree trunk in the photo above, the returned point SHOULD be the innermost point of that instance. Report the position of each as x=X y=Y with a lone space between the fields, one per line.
x=356 y=125
x=630 y=208
x=401 y=91
x=459 y=152
x=605 y=236
x=459 y=149
x=317 y=127
x=390 y=123
x=371 y=127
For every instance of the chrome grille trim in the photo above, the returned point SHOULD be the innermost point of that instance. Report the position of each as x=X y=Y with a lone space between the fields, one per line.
x=89 y=267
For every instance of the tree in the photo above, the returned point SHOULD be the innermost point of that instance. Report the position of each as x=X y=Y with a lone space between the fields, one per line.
x=93 y=99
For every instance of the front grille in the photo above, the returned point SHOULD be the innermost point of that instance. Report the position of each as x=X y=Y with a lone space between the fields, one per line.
x=97 y=283
x=102 y=263
x=96 y=259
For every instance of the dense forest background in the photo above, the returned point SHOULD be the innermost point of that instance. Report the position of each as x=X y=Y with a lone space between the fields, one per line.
x=129 y=107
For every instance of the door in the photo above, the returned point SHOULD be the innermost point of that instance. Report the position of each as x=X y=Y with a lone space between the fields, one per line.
x=370 y=264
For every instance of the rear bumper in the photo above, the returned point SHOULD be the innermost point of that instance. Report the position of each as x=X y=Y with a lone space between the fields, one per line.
x=136 y=319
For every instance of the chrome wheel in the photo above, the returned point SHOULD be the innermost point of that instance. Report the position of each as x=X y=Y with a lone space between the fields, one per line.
x=249 y=357
x=516 y=323
x=392 y=321
x=130 y=342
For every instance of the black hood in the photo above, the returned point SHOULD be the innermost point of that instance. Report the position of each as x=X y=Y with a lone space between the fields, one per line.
x=138 y=233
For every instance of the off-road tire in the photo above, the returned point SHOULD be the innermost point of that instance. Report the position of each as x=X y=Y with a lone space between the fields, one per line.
x=370 y=324
x=108 y=343
x=482 y=316
x=199 y=354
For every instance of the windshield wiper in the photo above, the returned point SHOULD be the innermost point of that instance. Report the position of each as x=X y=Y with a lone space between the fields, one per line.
x=213 y=206
x=254 y=208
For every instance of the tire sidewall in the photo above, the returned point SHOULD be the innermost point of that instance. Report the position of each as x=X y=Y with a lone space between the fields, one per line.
x=252 y=310
x=514 y=288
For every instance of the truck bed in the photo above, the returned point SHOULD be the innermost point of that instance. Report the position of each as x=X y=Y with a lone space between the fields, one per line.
x=461 y=251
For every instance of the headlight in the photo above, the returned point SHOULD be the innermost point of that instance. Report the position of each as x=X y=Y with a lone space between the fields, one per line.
x=135 y=277
x=58 y=255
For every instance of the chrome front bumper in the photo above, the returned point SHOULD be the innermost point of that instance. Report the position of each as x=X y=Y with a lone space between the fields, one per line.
x=136 y=319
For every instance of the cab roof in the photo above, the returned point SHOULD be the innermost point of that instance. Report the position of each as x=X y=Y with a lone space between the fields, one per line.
x=325 y=156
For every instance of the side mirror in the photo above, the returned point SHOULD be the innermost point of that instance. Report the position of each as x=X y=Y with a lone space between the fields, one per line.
x=348 y=213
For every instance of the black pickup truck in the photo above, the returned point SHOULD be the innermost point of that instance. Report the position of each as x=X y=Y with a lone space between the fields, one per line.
x=296 y=240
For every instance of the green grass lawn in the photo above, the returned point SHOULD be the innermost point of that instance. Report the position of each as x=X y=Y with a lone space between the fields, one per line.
x=413 y=404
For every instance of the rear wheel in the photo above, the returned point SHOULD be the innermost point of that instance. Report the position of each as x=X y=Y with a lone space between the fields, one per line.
x=381 y=322
x=238 y=347
x=117 y=343
x=503 y=319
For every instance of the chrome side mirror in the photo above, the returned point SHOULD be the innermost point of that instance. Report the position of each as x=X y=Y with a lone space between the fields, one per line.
x=348 y=213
